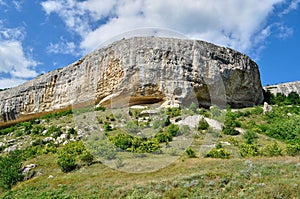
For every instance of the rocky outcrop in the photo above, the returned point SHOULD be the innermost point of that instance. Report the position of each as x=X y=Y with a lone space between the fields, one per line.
x=141 y=70
x=284 y=88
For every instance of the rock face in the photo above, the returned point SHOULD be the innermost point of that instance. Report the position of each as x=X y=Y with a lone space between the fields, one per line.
x=141 y=70
x=284 y=88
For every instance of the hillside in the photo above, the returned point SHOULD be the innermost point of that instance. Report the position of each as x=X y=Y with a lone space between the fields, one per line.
x=108 y=153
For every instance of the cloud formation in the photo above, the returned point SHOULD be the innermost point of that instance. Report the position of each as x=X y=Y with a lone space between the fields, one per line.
x=234 y=23
x=13 y=60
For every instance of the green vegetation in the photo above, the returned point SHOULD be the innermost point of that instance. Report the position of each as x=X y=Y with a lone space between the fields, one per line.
x=10 y=173
x=243 y=164
x=218 y=152
x=202 y=125
x=231 y=123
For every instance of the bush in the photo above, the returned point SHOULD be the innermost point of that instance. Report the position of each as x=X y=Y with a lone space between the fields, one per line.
x=173 y=129
x=37 y=130
x=202 y=125
x=68 y=154
x=293 y=149
x=10 y=172
x=173 y=112
x=230 y=124
x=100 y=108
x=248 y=150
x=164 y=137
x=55 y=131
x=87 y=158
x=132 y=127
x=215 y=111
x=272 y=150
x=218 y=152
x=107 y=127
x=67 y=162
x=193 y=107
x=190 y=152
x=7 y=130
x=250 y=137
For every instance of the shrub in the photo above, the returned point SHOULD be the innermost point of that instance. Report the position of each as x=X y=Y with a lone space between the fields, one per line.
x=100 y=108
x=272 y=150
x=173 y=129
x=190 y=152
x=164 y=137
x=10 y=172
x=250 y=137
x=218 y=152
x=202 y=125
x=248 y=150
x=193 y=107
x=68 y=154
x=215 y=111
x=66 y=161
x=173 y=112
x=293 y=149
x=132 y=127
x=72 y=131
x=230 y=124
x=55 y=131
x=37 y=130
x=122 y=141
x=149 y=146
x=87 y=158
x=107 y=127
x=7 y=130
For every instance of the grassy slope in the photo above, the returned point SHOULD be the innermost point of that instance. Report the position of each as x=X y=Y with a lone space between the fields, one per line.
x=260 y=177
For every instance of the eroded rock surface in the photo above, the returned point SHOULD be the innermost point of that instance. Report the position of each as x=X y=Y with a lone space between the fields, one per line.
x=141 y=70
x=284 y=88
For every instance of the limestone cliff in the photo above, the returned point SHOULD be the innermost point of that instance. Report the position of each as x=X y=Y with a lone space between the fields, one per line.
x=284 y=88
x=141 y=70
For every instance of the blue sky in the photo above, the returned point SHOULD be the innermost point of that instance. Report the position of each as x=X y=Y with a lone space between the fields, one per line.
x=40 y=36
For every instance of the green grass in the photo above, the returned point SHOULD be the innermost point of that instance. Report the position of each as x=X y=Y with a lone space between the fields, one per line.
x=185 y=176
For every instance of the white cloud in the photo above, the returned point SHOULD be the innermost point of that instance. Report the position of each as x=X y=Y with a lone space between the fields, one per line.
x=238 y=24
x=293 y=6
x=63 y=47
x=13 y=60
x=11 y=82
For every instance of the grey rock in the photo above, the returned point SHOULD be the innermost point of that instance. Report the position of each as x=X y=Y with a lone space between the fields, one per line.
x=267 y=108
x=284 y=88
x=141 y=70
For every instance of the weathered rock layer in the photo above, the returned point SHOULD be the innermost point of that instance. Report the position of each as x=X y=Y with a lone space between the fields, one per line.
x=284 y=88
x=139 y=71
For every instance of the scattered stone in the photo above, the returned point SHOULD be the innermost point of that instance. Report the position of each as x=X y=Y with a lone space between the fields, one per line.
x=139 y=107
x=289 y=114
x=27 y=168
x=50 y=177
x=225 y=143
x=2 y=144
x=49 y=139
x=11 y=148
x=45 y=132
x=267 y=108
